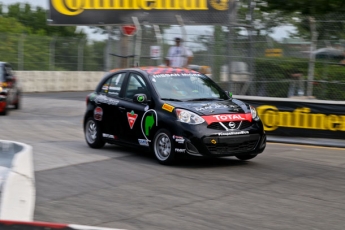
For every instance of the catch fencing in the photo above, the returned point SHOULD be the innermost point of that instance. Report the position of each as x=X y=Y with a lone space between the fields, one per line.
x=262 y=62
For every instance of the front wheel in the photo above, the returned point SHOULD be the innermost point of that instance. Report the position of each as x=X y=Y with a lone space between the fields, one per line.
x=246 y=157
x=163 y=147
x=93 y=134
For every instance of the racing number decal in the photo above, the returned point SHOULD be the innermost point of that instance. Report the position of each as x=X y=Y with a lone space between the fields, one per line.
x=132 y=117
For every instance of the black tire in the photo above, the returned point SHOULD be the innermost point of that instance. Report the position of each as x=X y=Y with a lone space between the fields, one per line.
x=246 y=157
x=163 y=147
x=17 y=104
x=4 y=112
x=93 y=134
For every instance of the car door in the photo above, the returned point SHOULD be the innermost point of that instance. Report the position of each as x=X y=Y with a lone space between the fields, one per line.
x=107 y=102
x=132 y=112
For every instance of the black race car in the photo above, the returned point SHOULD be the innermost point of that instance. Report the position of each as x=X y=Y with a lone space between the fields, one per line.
x=171 y=111
x=9 y=90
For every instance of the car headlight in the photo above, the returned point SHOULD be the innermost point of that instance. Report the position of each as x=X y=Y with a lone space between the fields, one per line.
x=0 y=88
x=186 y=116
x=254 y=113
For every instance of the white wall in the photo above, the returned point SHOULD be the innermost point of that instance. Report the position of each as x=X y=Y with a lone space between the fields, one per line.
x=53 y=81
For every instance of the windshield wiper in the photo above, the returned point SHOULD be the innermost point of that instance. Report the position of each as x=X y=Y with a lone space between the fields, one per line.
x=170 y=99
x=206 y=99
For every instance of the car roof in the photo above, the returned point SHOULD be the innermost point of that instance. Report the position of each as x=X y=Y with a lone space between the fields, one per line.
x=154 y=70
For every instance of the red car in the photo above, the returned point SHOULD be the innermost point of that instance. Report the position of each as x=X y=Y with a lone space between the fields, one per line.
x=9 y=89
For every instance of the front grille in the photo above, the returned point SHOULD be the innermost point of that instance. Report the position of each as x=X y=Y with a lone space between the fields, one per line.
x=238 y=125
x=224 y=149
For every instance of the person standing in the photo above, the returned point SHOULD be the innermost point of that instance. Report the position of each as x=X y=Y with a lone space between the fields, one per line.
x=178 y=55
x=296 y=87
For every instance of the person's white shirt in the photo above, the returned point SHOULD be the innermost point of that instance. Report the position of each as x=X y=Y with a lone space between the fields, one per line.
x=178 y=56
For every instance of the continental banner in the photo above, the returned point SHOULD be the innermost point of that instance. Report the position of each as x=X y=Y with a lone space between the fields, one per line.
x=301 y=118
x=100 y=12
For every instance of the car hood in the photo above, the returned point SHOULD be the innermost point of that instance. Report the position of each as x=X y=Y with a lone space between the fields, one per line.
x=213 y=107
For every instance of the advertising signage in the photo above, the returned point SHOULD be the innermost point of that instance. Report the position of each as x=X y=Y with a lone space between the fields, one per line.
x=161 y=12
x=301 y=118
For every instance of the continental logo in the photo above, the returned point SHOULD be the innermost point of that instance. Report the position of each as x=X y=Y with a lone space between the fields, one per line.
x=220 y=5
x=75 y=7
x=299 y=118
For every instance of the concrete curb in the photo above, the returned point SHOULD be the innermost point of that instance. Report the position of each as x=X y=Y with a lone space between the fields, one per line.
x=18 y=192
x=21 y=225
x=322 y=142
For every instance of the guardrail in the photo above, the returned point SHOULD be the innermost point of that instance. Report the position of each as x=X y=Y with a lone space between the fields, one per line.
x=17 y=182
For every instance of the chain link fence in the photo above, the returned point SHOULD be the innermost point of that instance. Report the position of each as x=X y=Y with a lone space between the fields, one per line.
x=262 y=64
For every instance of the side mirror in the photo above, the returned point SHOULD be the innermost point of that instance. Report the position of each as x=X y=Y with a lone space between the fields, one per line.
x=229 y=94
x=140 y=98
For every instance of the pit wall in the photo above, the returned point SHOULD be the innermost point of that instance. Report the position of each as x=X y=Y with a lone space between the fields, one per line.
x=55 y=81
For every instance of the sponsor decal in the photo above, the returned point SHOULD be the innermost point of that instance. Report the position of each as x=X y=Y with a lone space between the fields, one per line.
x=106 y=100
x=213 y=141
x=213 y=106
x=93 y=96
x=105 y=87
x=132 y=117
x=176 y=75
x=140 y=98
x=168 y=107
x=301 y=118
x=178 y=139
x=232 y=133
x=228 y=117
x=147 y=122
x=180 y=150
x=108 y=136
x=143 y=142
x=98 y=113
x=73 y=8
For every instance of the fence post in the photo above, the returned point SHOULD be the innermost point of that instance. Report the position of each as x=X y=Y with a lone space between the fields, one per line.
x=21 y=52
x=52 y=54
x=312 y=56
x=81 y=54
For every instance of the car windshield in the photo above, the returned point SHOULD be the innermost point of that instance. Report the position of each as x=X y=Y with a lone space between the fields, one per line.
x=187 y=87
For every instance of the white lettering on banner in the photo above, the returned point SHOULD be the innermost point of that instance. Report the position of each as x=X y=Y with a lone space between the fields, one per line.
x=180 y=150
x=232 y=133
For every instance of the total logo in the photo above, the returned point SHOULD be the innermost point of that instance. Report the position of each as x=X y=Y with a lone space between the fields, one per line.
x=227 y=117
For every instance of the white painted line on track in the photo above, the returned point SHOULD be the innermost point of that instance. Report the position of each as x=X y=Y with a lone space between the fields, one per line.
x=307 y=146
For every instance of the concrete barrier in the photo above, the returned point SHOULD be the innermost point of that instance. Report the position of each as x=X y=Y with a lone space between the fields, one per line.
x=55 y=81
x=18 y=191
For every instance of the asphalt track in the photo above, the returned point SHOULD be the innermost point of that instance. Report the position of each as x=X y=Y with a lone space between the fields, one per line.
x=287 y=187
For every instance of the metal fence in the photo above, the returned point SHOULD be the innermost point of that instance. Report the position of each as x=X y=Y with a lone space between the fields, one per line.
x=261 y=64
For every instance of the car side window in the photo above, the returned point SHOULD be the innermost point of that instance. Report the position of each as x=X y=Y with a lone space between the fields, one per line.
x=136 y=85
x=112 y=86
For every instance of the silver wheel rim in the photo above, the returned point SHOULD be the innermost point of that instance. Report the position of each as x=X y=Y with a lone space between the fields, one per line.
x=162 y=147
x=91 y=132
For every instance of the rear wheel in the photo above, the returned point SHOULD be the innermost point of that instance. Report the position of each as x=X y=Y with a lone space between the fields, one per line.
x=246 y=157
x=93 y=134
x=163 y=147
